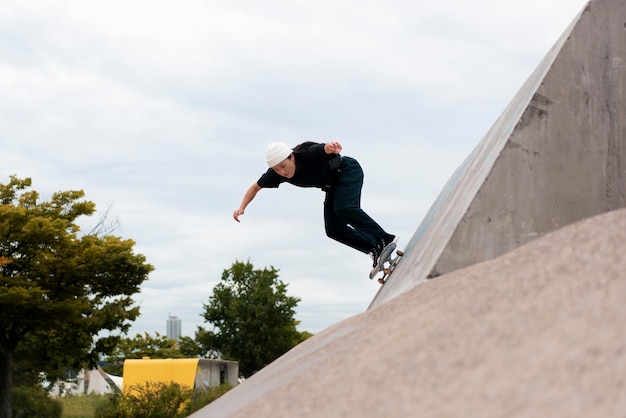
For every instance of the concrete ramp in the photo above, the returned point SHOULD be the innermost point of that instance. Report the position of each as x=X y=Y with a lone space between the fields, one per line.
x=556 y=155
x=537 y=332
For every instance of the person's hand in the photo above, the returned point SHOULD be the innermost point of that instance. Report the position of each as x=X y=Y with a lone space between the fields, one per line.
x=237 y=213
x=332 y=147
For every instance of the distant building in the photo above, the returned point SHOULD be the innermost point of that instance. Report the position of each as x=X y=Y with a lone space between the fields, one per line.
x=195 y=373
x=86 y=382
x=174 y=328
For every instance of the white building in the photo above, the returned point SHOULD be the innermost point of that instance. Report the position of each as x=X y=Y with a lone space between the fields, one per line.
x=95 y=381
x=174 y=328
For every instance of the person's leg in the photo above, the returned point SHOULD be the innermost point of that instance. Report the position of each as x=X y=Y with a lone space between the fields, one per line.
x=339 y=230
x=347 y=204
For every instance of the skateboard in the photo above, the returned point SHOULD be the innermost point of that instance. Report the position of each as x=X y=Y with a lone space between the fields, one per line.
x=387 y=264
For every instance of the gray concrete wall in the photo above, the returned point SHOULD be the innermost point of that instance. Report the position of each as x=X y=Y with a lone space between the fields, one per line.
x=518 y=336
x=556 y=155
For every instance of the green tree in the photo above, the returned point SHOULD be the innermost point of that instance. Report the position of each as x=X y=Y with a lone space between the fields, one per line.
x=139 y=347
x=159 y=399
x=59 y=290
x=252 y=317
x=155 y=399
x=190 y=347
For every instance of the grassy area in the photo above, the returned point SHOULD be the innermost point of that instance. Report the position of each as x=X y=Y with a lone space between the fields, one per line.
x=81 y=406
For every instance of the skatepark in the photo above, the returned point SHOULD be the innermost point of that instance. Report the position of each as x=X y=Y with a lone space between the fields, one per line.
x=509 y=298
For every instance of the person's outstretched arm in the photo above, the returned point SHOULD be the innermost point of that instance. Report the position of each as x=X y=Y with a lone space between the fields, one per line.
x=247 y=198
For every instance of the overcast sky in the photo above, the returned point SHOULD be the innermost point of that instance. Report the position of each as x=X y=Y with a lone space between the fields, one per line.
x=162 y=110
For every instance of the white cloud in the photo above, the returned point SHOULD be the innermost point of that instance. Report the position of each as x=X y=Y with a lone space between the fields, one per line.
x=163 y=110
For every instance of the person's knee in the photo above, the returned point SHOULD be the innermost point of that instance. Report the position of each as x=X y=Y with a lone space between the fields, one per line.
x=332 y=232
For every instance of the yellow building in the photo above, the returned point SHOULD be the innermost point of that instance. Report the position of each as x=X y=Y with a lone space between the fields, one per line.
x=194 y=373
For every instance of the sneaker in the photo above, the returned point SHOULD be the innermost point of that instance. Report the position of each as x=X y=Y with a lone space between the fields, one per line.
x=383 y=242
x=375 y=254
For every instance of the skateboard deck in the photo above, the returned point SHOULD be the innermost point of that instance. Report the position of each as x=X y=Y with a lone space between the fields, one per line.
x=387 y=263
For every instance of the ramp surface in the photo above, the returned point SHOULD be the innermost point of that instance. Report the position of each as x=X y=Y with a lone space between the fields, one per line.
x=556 y=155
x=538 y=332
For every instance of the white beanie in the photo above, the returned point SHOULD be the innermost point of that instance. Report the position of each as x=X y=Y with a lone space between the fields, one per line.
x=276 y=152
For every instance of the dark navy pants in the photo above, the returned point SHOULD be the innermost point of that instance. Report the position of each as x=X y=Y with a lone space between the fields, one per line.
x=344 y=219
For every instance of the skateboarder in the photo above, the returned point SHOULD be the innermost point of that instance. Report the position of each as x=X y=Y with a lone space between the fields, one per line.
x=320 y=165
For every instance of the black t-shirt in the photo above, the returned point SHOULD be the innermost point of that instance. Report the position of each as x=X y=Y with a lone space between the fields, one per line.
x=314 y=168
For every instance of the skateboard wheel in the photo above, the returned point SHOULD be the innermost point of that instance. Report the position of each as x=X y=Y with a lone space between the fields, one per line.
x=381 y=281
x=387 y=272
x=400 y=253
